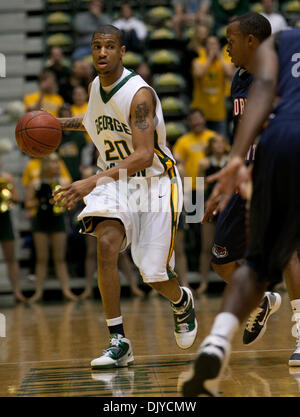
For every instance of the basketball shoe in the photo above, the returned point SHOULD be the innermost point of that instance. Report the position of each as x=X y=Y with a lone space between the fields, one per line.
x=295 y=358
x=119 y=354
x=185 y=322
x=257 y=322
x=208 y=368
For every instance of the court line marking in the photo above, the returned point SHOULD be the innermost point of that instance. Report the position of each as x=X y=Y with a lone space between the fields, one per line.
x=140 y=356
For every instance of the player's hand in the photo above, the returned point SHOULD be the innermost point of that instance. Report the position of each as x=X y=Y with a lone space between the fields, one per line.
x=69 y=195
x=234 y=175
x=211 y=210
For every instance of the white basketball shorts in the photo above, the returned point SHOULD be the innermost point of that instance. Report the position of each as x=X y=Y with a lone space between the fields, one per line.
x=149 y=209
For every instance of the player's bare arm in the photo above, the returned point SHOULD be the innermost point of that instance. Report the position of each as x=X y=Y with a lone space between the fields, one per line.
x=142 y=127
x=71 y=123
x=258 y=108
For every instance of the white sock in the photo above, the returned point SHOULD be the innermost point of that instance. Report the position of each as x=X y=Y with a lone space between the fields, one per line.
x=296 y=317
x=114 y=322
x=225 y=324
x=295 y=305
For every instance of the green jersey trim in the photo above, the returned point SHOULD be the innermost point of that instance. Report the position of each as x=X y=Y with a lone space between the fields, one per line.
x=107 y=96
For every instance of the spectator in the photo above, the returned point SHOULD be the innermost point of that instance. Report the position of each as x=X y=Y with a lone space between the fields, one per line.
x=198 y=41
x=71 y=145
x=215 y=159
x=188 y=150
x=85 y=24
x=277 y=21
x=194 y=49
x=186 y=12
x=46 y=97
x=134 y=30
x=48 y=224
x=144 y=70
x=78 y=76
x=88 y=72
x=223 y=11
x=80 y=103
x=8 y=196
x=60 y=66
x=210 y=72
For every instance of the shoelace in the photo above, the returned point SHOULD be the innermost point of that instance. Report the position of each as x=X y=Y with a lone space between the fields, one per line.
x=183 y=327
x=114 y=341
x=253 y=319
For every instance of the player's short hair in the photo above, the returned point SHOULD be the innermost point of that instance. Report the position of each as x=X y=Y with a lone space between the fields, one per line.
x=255 y=24
x=109 y=30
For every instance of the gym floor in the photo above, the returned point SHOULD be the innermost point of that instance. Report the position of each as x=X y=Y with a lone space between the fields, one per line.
x=48 y=348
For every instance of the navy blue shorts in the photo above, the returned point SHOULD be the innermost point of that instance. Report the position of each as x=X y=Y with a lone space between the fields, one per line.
x=274 y=232
x=230 y=235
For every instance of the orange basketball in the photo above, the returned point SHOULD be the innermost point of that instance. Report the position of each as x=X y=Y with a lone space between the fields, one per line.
x=38 y=133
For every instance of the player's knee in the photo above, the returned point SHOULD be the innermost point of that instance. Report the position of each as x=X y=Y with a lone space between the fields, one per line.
x=224 y=271
x=107 y=248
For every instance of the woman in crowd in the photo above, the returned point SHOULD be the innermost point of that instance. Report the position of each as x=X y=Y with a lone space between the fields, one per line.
x=48 y=224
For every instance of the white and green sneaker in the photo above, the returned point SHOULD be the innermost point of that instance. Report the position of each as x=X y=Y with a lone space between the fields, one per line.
x=185 y=322
x=118 y=355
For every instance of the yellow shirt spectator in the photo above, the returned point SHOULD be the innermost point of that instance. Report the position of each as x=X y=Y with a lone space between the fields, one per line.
x=190 y=148
x=79 y=110
x=210 y=74
x=202 y=54
x=33 y=170
x=209 y=91
x=49 y=102
x=80 y=100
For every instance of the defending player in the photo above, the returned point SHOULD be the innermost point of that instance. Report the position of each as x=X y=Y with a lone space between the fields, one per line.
x=275 y=204
x=244 y=35
x=125 y=121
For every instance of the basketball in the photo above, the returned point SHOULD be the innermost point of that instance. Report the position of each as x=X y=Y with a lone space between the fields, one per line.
x=38 y=133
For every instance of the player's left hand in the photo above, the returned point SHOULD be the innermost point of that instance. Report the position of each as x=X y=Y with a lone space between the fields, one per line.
x=234 y=175
x=69 y=195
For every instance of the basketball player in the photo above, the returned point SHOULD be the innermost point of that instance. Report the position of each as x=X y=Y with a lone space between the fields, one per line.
x=275 y=205
x=244 y=34
x=125 y=121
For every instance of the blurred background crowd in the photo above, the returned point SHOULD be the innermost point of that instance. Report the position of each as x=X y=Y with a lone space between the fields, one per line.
x=179 y=48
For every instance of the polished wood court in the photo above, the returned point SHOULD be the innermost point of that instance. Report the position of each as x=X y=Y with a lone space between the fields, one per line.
x=48 y=348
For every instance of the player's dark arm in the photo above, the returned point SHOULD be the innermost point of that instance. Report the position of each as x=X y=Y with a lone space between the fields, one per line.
x=260 y=99
x=71 y=123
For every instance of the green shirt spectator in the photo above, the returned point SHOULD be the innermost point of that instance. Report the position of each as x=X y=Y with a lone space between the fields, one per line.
x=223 y=10
x=71 y=146
x=70 y=149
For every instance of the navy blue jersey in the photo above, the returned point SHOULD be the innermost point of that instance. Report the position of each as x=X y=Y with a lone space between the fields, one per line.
x=288 y=44
x=240 y=86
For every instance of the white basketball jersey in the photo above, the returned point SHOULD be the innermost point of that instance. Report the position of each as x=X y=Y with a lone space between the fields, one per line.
x=107 y=121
